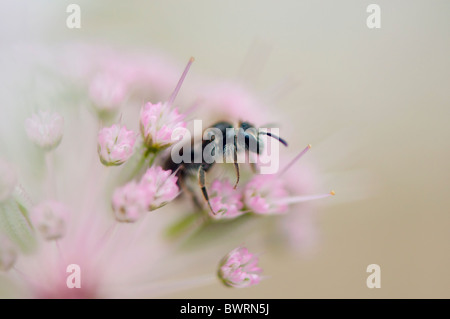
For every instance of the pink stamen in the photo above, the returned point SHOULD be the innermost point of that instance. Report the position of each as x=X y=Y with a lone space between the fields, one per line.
x=295 y=160
x=299 y=199
x=180 y=82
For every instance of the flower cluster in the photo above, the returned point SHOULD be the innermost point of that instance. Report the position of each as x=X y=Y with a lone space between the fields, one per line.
x=91 y=213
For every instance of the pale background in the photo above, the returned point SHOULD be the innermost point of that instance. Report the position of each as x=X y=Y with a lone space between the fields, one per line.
x=389 y=88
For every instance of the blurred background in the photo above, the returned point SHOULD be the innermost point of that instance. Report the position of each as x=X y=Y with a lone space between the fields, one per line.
x=375 y=102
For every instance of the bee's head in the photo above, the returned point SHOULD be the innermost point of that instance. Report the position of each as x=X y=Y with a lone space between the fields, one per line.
x=249 y=135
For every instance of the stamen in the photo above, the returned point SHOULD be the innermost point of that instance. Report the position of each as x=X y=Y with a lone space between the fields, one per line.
x=306 y=198
x=295 y=160
x=180 y=82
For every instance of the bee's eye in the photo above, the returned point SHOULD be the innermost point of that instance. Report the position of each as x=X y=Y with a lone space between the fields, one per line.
x=251 y=143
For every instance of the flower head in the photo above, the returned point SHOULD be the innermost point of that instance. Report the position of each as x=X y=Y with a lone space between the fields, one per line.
x=263 y=194
x=45 y=129
x=130 y=202
x=225 y=200
x=157 y=122
x=8 y=180
x=239 y=269
x=115 y=145
x=8 y=254
x=160 y=185
x=50 y=219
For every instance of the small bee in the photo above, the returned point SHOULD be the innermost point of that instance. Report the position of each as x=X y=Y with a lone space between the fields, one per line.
x=229 y=141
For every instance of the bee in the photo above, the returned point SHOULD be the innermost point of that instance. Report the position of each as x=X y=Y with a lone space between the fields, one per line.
x=226 y=140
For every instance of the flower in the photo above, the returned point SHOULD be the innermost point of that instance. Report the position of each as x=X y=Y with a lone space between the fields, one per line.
x=45 y=129
x=130 y=202
x=225 y=200
x=107 y=91
x=156 y=188
x=50 y=219
x=239 y=269
x=8 y=180
x=115 y=145
x=117 y=259
x=8 y=254
x=160 y=185
x=157 y=122
x=263 y=195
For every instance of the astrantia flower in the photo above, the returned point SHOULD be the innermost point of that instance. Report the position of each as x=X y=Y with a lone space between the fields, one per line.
x=160 y=185
x=130 y=202
x=8 y=180
x=117 y=259
x=8 y=254
x=115 y=145
x=158 y=121
x=50 y=219
x=45 y=129
x=239 y=269
x=263 y=194
x=225 y=200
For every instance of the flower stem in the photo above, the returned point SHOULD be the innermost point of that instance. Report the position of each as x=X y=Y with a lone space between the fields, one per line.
x=157 y=289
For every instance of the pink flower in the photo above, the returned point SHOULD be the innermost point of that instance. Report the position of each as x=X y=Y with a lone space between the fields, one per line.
x=45 y=129
x=8 y=254
x=225 y=200
x=130 y=202
x=264 y=194
x=160 y=185
x=239 y=269
x=157 y=122
x=115 y=145
x=156 y=188
x=107 y=91
x=50 y=219
x=8 y=180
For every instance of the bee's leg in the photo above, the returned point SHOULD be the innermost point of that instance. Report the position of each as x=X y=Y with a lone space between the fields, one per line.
x=201 y=181
x=253 y=161
x=236 y=165
x=186 y=188
x=254 y=167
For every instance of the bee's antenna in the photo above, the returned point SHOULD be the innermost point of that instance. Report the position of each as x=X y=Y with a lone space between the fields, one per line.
x=275 y=137
x=180 y=82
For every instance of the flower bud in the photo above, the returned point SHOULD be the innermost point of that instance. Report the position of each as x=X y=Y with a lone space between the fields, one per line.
x=263 y=194
x=115 y=145
x=45 y=129
x=157 y=122
x=130 y=202
x=50 y=219
x=160 y=185
x=225 y=200
x=107 y=92
x=239 y=269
